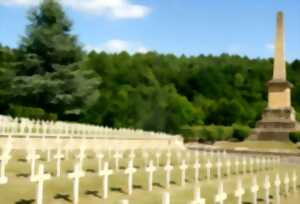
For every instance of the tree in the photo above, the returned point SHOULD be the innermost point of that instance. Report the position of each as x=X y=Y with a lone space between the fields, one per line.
x=49 y=74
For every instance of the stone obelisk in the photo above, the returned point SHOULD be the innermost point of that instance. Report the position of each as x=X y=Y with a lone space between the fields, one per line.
x=279 y=116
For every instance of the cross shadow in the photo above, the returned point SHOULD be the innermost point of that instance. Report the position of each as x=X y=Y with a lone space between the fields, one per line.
x=117 y=190
x=93 y=193
x=22 y=160
x=137 y=186
x=158 y=184
x=172 y=182
x=25 y=175
x=23 y=201
x=90 y=170
x=61 y=196
x=246 y=202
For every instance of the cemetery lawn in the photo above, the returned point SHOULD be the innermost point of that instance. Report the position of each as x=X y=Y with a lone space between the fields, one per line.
x=20 y=190
x=272 y=146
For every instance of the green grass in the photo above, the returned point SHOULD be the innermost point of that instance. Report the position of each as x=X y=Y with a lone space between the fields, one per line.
x=260 y=146
x=59 y=190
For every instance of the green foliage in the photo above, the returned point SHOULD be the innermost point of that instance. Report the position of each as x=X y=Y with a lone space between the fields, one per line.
x=30 y=112
x=210 y=133
x=240 y=132
x=294 y=137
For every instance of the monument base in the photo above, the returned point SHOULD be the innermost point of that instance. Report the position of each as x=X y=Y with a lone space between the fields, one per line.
x=276 y=124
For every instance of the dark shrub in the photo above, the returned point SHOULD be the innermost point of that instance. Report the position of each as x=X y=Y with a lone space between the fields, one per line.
x=294 y=137
x=240 y=132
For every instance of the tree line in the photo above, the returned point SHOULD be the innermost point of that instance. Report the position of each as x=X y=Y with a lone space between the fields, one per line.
x=50 y=76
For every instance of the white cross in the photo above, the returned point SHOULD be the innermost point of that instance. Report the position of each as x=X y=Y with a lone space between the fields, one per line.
x=150 y=169
x=100 y=157
x=251 y=162
x=124 y=202
x=117 y=156
x=244 y=162
x=183 y=168
x=294 y=179
x=58 y=156
x=81 y=156
x=196 y=167
x=168 y=168
x=105 y=173
x=254 y=190
x=197 y=197
x=221 y=195
x=130 y=171
x=219 y=168
x=76 y=175
x=286 y=183
x=32 y=156
x=239 y=192
x=237 y=164
x=228 y=165
x=277 y=184
x=131 y=154
x=267 y=186
x=4 y=158
x=40 y=178
x=157 y=155
x=166 y=198
x=208 y=166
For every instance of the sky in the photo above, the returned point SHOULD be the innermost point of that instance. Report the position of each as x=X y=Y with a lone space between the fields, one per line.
x=190 y=27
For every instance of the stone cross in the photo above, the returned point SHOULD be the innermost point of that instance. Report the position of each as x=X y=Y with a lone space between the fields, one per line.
x=294 y=180
x=251 y=162
x=286 y=182
x=244 y=163
x=197 y=197
x=58 y=156
x=257 y=164
x=166 y=198
x=130 y=171
x=117 y=156
x=277 y=184
x=237 y=165
x=40 y=178
x=239 y=192
x=124 y=202
x=168 y=168
x=150 y=169
x=228 y=167
x=100 y=157
x=221 y=195
x=105 y=173
x=208 y=166
x=267 y=186
x=254 y=190
x=131 y=155
x=157 y=155
x=183 y=168
x=76 y=175
x=81 y=156
x=32 y=157
x=4 y=158
x=219 y=168
x=196 y=167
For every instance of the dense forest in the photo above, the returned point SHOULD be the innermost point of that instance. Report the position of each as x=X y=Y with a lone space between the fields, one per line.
x=50 y=76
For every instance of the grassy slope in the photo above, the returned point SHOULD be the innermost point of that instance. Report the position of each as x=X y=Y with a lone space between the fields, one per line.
x=59 y=190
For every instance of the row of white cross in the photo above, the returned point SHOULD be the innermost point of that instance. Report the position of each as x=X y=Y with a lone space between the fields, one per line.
x=106 y=172
x=26 y=127
x=221 y=196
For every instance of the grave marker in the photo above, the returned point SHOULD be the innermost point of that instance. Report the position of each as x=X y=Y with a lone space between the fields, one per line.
x=105 y=173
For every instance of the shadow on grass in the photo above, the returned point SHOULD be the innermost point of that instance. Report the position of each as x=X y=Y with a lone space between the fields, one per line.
x=25 y=175
x=61 y=196
x=158 y=185
x=93 y=193
x=23 y=201
x=90 y=170
x=117 y=189
x=137 y=186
